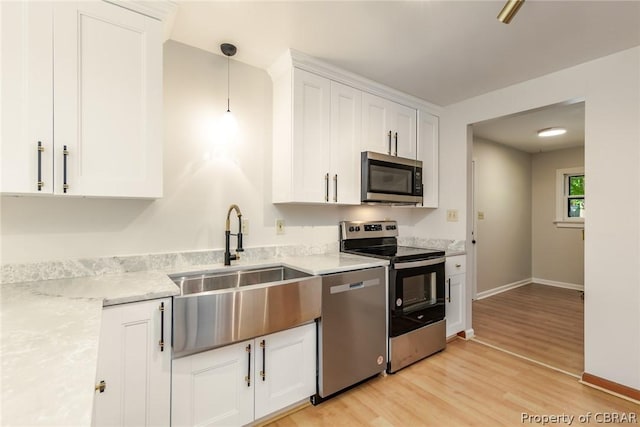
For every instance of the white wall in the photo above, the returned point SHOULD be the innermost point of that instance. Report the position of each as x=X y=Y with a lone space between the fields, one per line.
x=557 y=253
x=611 y=88
x=503 y=195
x=197 y=190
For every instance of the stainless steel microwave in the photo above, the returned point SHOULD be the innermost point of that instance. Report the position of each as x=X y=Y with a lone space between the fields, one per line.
x=390 y=179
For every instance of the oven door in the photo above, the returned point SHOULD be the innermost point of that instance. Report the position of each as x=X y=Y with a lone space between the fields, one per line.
x=416 y=295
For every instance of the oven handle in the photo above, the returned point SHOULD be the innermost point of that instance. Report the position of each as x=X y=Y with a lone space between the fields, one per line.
x=414 y=264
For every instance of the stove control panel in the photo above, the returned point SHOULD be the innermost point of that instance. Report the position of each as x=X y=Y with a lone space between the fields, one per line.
x=367 y=229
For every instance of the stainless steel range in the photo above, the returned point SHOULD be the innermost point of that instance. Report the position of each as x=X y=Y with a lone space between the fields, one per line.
x=416 y=327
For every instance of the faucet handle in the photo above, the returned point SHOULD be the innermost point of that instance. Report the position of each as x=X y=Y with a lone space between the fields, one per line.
x=239 y=236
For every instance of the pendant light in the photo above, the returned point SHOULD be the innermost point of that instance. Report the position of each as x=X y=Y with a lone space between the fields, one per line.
x=229 y=123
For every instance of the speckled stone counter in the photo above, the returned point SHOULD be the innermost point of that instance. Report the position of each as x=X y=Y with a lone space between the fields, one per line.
x=51 y=328
x=49 y=343
x=313 y=264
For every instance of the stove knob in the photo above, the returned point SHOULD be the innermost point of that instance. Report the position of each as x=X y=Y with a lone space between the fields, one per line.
x=399 y=302
x=351 y=229
x=358 y=228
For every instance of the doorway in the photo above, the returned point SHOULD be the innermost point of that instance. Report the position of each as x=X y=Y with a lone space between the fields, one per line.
x=529 y=251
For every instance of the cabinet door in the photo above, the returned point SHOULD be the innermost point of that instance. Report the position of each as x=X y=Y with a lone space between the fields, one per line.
x=311 y=137
x=403 y=123
x=288 y=361
x=136 y=372
x=428 y=136
x=27 y=96
x=454 y=304
x=455 y=285
x=376 y=127
x=381 y=121
x=108 y=100
x=346 y=128
x=214 y=388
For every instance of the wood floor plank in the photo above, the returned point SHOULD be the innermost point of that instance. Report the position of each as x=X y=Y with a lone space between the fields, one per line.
x=540 y=322
x=466 y=384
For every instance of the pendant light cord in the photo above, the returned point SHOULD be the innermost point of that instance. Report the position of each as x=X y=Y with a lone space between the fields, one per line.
x=228 y=85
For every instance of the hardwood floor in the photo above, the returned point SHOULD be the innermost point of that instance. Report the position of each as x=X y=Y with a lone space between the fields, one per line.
x=540 y=322
x=466 y=384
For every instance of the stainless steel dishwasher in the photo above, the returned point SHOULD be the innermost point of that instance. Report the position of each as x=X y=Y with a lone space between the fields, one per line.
x=352 y=334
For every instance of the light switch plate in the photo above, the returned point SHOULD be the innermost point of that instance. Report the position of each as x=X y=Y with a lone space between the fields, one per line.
x=452 y=215
x=279 y=226
x=480 y=215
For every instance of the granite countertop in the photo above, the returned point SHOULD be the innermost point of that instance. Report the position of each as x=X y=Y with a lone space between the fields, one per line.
x=50 y=333
x=312 y=264
x=49 y=343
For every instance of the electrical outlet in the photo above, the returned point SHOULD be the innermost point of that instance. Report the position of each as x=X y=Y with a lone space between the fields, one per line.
x=279 y=226
x=452 y=215
x=245 y=227
x=480 y=215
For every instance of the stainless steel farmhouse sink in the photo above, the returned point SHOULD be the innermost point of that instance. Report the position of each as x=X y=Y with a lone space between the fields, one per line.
x=219 y=308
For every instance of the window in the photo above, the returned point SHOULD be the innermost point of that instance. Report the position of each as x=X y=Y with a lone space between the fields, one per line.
x=570 y=197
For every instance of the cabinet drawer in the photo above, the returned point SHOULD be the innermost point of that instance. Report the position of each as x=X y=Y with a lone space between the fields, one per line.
x=456 y=265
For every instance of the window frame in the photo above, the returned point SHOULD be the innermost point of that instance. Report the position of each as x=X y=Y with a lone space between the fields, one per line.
x=562 y=198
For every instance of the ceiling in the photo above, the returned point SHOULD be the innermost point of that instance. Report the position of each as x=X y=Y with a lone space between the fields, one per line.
x=440 y=51
x=520 y=130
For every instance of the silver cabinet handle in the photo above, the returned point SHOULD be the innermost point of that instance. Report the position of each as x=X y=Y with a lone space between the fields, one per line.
x=389 y=142
x=326 y=187
x=40 y=150
x=396 y=144
x=161 y=343
x=449 y=297
x=335 y=188
x=458 y=265
x=65 y=154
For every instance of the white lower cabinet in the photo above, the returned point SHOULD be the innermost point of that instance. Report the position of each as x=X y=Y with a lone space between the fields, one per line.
x=242 y=382
x=454 y=283
x=134 y=365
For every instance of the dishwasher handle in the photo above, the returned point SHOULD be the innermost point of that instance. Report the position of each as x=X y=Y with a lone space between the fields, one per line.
x=354 y=286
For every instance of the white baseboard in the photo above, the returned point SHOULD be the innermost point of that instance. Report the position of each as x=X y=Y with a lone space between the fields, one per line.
x=503 y=288
x=558 y=284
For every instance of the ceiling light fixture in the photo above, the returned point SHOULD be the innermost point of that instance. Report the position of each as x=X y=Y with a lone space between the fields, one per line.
x=543 y=133
x=509 y=10
x=229 y=123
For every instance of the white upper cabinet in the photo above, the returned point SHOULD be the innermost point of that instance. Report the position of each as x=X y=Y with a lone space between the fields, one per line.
x=27 y=97
x=428 y=135
x=324 y=117
x=388 y=127
x=346 y=116
x=310 y=147
x=316 y=140
x=95 y=94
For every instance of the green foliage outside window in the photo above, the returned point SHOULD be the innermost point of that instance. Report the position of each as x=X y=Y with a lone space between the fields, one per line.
x=576 y=196
x=576 y=185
